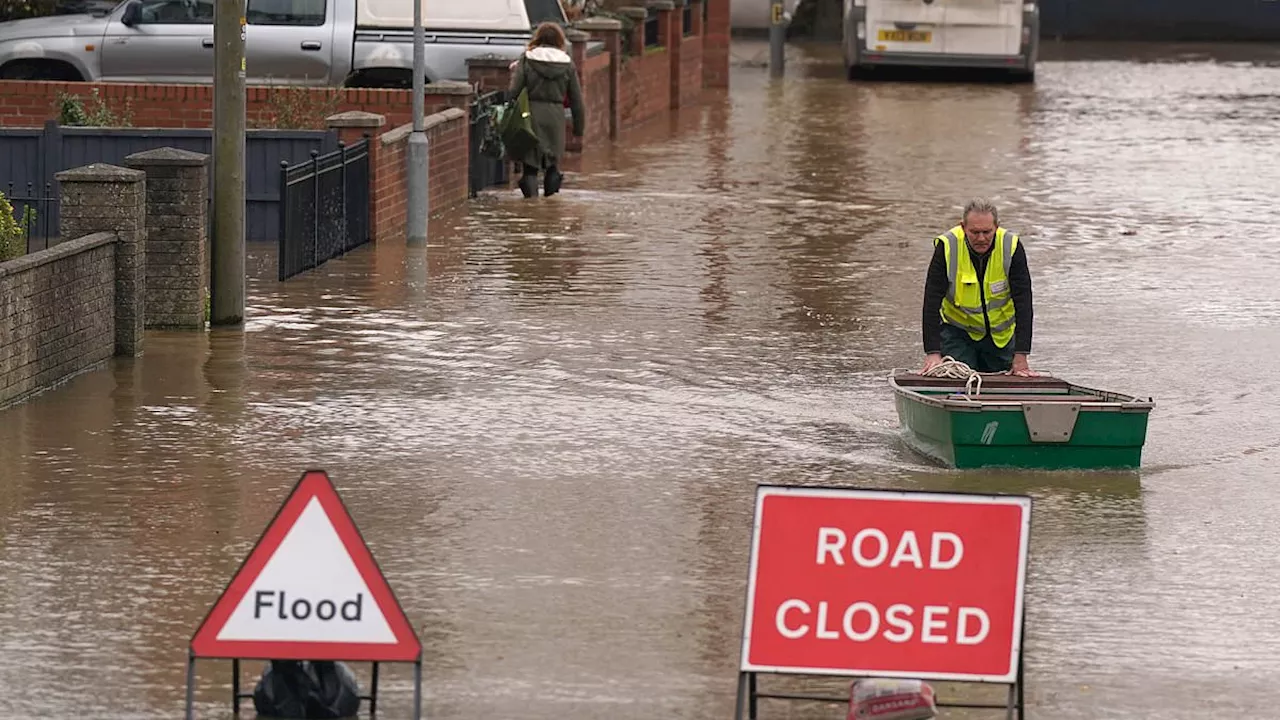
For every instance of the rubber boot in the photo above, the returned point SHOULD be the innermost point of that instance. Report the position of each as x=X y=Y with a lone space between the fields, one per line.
x=553 y=179
x=529 y=182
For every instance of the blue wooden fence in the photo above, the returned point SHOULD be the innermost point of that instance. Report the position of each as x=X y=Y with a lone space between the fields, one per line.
x=30 y=157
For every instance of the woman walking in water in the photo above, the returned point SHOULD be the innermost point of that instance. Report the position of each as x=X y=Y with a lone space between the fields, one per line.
x=547 y=72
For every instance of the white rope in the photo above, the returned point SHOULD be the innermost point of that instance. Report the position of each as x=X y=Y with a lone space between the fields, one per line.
x=952 y=368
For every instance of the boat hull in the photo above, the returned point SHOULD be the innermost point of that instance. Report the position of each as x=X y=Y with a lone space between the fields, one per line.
x=1063 y=427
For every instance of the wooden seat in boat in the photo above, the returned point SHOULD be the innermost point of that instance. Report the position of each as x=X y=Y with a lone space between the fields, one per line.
x=1028 y=397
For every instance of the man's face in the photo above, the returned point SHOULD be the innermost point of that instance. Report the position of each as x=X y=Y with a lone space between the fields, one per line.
x=980 y=229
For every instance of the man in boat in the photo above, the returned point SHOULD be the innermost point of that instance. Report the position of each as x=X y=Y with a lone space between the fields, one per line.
x=985 y=325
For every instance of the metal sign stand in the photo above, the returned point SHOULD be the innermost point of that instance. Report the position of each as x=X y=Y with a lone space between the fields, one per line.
x=237 y=696
x=749 y=693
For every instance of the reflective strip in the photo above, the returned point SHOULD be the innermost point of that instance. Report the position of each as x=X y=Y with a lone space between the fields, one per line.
x=999 y=302
x=953 y=249
x=1008 y=252
x=1003 y=326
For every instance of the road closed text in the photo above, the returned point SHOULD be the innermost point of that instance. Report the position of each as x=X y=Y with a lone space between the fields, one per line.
x=899 y=623
x=867 y=581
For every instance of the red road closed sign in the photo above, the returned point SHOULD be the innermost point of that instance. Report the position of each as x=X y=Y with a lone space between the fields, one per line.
x=886 y=584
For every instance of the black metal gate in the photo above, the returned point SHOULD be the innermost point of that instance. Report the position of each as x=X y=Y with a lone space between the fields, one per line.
x=488 y=166
x=324 y=207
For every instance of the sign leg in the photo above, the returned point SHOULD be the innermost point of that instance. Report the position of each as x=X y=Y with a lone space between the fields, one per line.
x=738 y=698
x=373 y=692
x=235 y=687
x=1022 y=702
x=752 y=713
x=191 y=685
x=417 y=690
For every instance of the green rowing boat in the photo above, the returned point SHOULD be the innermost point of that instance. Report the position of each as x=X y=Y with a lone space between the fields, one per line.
x=1041 y=423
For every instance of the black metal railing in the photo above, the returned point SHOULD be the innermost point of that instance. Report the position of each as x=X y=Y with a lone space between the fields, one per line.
x=34 y=213
x=651 y=37
x=324 y=207
x=487 y=163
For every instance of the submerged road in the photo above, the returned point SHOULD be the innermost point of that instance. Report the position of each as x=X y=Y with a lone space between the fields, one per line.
x=549 y=423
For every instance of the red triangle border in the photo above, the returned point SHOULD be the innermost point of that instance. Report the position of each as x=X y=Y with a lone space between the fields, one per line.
x=312 y=484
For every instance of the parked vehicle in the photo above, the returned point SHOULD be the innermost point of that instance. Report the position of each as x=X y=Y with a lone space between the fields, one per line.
x=356 y=43
x=998 y=34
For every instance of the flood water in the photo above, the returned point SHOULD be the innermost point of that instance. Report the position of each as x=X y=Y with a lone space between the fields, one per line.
x=549 y=423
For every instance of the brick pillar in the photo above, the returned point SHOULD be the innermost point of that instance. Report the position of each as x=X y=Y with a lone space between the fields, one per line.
x=670 y=22
x=177 y=235
x=578 y=52
x=489 y=72
x=352 y=127
x=695 y=7
x=609 y=31
x=107 y=198
x=715 y=45
x=636 y=15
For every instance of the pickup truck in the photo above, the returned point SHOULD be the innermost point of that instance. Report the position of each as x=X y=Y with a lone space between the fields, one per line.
x=351 y=43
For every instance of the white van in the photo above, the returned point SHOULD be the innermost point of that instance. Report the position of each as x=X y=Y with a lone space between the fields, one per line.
x=998 y=34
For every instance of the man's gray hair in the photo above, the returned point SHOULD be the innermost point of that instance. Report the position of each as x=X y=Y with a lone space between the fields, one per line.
x=981 y=206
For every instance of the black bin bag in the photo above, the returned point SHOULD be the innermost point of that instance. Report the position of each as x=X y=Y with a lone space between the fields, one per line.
x=303 y=690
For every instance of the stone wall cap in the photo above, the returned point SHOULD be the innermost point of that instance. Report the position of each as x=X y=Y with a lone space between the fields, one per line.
x=356 y=119
x=449 y=87
x=442 y=117
x=491 y=60
x=599 y=24
x=661 y=5
x=166 y=157
x=633 y=12
x=391 y=137
x=575 y=35
x=99 y=172
x=29 y=261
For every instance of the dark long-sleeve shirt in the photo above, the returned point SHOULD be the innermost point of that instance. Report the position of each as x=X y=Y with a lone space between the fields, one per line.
x=936 y=285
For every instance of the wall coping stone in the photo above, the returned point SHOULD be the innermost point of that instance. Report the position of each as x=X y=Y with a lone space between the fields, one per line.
x=661 y=5
x=599 y=24
x=575 y=35
x=490 y=60
x=392 y=137
x=57 y=252
x=100 y=172
x=356 y=119
x=449 y=87
x=166 y=157
x=633 y=12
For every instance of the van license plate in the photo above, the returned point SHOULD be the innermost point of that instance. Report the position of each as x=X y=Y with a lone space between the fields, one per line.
x=920 y=36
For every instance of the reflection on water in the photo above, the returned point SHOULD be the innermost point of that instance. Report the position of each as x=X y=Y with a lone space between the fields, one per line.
x=549 y=422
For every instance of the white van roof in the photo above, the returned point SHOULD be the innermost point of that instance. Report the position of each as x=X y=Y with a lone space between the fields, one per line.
x=496 y=15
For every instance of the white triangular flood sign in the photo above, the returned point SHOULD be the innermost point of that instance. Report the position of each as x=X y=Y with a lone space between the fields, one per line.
x=309 y=591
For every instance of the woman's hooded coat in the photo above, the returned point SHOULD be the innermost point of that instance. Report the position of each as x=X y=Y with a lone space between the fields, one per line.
x=549 y=75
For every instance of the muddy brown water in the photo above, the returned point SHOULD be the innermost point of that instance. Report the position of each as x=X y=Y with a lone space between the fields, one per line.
x=549 y=422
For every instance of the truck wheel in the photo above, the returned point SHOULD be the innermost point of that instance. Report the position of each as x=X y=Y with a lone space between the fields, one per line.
x=39 y=70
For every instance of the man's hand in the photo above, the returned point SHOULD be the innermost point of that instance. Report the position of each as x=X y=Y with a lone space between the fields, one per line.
x=1020 y=366
x=931 y=361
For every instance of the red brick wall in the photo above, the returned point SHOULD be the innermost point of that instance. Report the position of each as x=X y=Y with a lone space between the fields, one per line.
x=449 y=149
x=390 y=187
x=715 y=45
x=447 y=177
x=690 y=70
x=30 y=104
x=595 y=90
x=646 y=87
x=488 y=79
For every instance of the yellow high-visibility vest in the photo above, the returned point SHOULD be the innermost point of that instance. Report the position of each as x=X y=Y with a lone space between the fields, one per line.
x=963 y=305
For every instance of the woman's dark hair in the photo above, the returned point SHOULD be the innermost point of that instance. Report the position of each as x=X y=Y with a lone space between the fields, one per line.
x=547 y=34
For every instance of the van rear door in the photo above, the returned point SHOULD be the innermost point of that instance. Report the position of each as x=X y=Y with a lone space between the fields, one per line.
x=983 y=27
x=906 y=26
